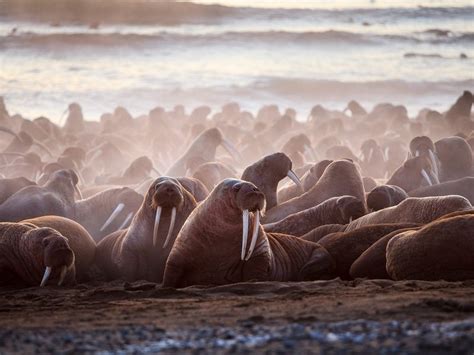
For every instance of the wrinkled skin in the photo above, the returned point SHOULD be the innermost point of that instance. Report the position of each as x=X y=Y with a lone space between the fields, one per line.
x=133 y=254
x=210 y=253
x=25 y=252
x=385 y=196
x=340 y=178
x=441 y=250
x=336 y=210
x=462 y=187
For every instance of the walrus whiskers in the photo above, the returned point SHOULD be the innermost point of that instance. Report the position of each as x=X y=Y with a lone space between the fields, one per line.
x=157 y=224
x=253 y=241
x=47 y=273
x=112 y=216
x=171 y=227
x=245 y=232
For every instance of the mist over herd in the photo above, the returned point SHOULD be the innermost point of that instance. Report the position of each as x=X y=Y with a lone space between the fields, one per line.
x=206 y=197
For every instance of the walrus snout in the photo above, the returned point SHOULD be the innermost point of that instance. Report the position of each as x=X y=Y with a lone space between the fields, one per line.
x=167 y=195
x=378 y=199
x=58 y=258
x=250 y=198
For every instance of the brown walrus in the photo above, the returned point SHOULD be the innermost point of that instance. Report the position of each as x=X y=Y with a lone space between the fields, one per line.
x=204 y=147
x=140 y=252
x=267 y=173
x=308 y=180
x=413 y=210
x=462 y=187
x=346 y=247
x=79 y=241
x=336 y=210
x=214 y=246
x=340 y=178
x=320 y=232
x=56 y=197
x=31 y=256
x=372 y=263
x=442 y=250
x=385 y=196
x=210 y=174
x=414 y=173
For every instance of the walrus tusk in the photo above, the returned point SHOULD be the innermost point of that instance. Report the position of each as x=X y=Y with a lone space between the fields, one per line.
x=95 y=155
x=245 y=232
x=291 y=174
x=371 y=153
x=78 y=192
x=112 y=216
x=156 y=171
x=253 y=241
x=171 y=227
x=231 y=149
x=62 y=275
x=129 y=216
x=426 y=176
x=417 y=153
x=350 y=219
x=157 y=224
x=435 y=166
x=47 y=273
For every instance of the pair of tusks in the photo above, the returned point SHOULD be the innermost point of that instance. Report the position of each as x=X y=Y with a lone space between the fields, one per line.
x=230 y=148
x=114 y=215
x=426 y=177
x=157 y=225
x=291 y=174
x=245 y=232
x=47 y=274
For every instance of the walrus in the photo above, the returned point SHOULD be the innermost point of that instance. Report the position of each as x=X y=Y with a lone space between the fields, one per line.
x=384 y=196
x=372 y=263
x=140 y=252
x=79 y=240
x=320 y=232
x=31 y=256
x=413 y=210
x=204 y=147
x=346 y=247
x=308 y=180
x=194 y=186
x=56 y=197
x=441 y=250
x=136 y=172
x=336 y=210
x=372 y=159
x=267 y=173
x=414 y=173
x=107 y=211
x=462 y=187
x=10 y=186
x=210 y=174
x=340 y=178
x=423 y=145
x=455 y=156
x=215 y=247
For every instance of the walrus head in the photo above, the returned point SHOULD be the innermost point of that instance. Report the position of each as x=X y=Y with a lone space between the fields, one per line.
x=385 y=196
x=243 y=197
x=58 y=257
x=140 y=168
x=350 y=207
x=65 y=181
x=413 y=173
x=164 y=193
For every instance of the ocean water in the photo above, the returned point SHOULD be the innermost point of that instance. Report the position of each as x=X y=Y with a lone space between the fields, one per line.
x=142 y=54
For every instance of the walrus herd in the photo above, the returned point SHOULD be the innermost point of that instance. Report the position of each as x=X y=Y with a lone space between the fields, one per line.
x=212 y=199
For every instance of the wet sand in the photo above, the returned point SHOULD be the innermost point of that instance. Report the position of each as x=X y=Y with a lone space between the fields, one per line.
x=335 y=316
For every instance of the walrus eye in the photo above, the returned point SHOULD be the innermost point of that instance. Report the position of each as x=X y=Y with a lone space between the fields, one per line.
x=236 y=187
